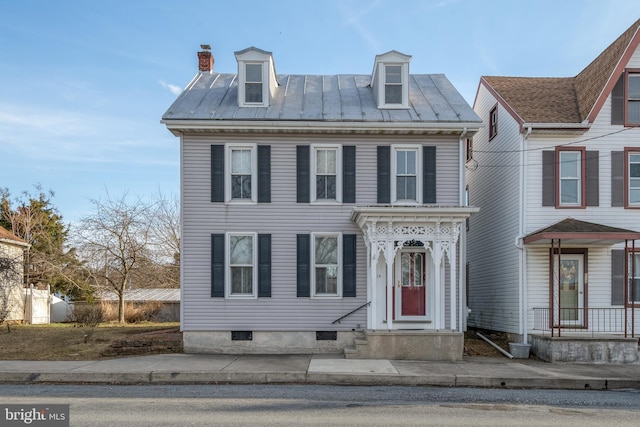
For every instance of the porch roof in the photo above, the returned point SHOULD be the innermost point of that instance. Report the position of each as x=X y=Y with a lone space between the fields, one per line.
x=413 y=215
x=581 y=232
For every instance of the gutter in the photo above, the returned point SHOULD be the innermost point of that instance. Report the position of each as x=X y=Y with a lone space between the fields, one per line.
x=177 y=125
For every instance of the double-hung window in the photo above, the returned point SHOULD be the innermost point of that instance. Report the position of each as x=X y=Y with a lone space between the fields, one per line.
x=493 y=122
x=253 y=83
x=327 y=171
x=326 y=279
x=570 y=185
x=633 y=98
x=393 y=84
x=633 y=287
x=241 y=181
x=633 y=178
x=242 y=272
x=406 y=184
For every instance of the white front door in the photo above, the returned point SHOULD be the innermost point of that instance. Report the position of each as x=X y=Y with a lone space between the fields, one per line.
x=570 y=289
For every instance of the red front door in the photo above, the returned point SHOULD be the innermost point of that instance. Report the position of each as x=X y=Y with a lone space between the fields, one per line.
x=410 y=282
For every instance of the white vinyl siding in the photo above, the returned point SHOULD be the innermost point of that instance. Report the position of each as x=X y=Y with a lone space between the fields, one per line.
x=494 y=187
x=283 y=218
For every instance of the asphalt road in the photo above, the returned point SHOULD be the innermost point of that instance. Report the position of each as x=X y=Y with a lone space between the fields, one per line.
x=306 y=405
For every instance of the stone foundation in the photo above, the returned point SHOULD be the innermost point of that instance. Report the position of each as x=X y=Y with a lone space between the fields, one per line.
x=585 y=350
x=265 y=342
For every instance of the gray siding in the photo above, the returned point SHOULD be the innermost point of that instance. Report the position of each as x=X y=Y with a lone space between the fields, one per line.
x=283 y=218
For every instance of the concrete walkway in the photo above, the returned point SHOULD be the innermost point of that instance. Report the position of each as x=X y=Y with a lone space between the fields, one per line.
x=323 y=369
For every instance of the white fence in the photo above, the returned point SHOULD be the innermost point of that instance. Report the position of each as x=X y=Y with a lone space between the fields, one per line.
x=36 y=306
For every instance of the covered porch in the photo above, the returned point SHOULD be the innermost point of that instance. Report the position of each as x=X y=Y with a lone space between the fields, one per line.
x=413 y=280
x=573 y=328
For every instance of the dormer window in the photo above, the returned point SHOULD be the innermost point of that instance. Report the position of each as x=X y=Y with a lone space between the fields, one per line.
x=256 y=77
x=390 y=82
x=393 y=84
x=253 y=83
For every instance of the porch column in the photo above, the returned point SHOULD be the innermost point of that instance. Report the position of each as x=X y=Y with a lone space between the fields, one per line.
x=453 y=284
x=389 y=256
x=437 y=294
x=371 y=284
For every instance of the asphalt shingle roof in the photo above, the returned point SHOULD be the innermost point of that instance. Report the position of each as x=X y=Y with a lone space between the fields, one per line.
x=563 y=99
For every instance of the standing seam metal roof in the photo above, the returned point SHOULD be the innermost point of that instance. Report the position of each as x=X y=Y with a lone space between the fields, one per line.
x=337 y=98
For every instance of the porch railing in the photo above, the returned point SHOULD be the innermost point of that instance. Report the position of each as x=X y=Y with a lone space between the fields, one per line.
x=590 y=321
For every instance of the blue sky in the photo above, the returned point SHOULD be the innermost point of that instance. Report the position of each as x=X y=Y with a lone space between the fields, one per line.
x=83 y=84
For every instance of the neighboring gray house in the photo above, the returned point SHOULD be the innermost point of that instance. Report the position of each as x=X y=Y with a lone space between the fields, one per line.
x=556 y=172
x=317 y=209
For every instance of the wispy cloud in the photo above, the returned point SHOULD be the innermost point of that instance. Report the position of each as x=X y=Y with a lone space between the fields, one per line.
x=354 y=17
x=176 y=90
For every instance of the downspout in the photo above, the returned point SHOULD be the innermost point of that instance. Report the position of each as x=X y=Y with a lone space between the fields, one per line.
x=462 y=246
x=522 y=254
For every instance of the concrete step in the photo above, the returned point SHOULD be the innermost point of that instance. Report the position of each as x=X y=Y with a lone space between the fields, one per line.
x=350 y=353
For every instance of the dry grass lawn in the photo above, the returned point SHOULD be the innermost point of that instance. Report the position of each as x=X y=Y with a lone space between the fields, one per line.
x=70 y=342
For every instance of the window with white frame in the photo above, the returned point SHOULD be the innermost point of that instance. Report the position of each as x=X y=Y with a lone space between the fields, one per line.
x=570 y=183
x=406 y=177
x=633 y=179
x=241 y=270
x=393 y=84
x=634 y=277
x=326 y=280
x=253 y=83
x=327 y=178
x=242 y=167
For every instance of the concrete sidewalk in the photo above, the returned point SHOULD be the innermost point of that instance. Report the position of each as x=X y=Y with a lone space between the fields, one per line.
x=323 y=369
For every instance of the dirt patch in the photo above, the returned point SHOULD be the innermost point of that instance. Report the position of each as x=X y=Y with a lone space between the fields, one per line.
x=477 y=347
x=152 y=342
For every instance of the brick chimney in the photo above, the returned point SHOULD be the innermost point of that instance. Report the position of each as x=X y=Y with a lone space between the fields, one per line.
x=205 y=59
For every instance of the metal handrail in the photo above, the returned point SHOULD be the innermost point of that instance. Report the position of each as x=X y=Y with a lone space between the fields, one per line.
x=350 y=313
x=587 y=320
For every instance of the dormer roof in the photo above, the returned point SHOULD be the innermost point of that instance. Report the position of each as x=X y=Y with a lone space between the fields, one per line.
x=566 y=99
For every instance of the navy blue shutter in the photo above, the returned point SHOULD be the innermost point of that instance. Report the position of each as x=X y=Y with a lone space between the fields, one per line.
x=264 y=174
x=617 y=102
x=428 y=174
x=548 y=178
x=349 y=174
x=217 y=173
x=617 y=178
x=593 y=178
x=617 y=277
x=303 y=247
x=302 y=167
x=264 y=265
x=217 y=265
x=384 y=174
x=349 y=265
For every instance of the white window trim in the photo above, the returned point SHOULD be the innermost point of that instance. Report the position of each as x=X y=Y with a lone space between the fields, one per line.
x=338 y=295
x=227 y=272
x=314 y=199
x=628 y=178
x=579 y=178
x=404 y=82
x=242 y=80
x=254 y=173
x=394 y=162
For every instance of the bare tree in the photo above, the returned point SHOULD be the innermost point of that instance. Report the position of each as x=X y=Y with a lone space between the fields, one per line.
x=116 y=238
x=166 y=233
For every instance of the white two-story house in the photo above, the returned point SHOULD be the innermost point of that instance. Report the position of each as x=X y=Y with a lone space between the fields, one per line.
x=317 y=208
x=556 y=173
